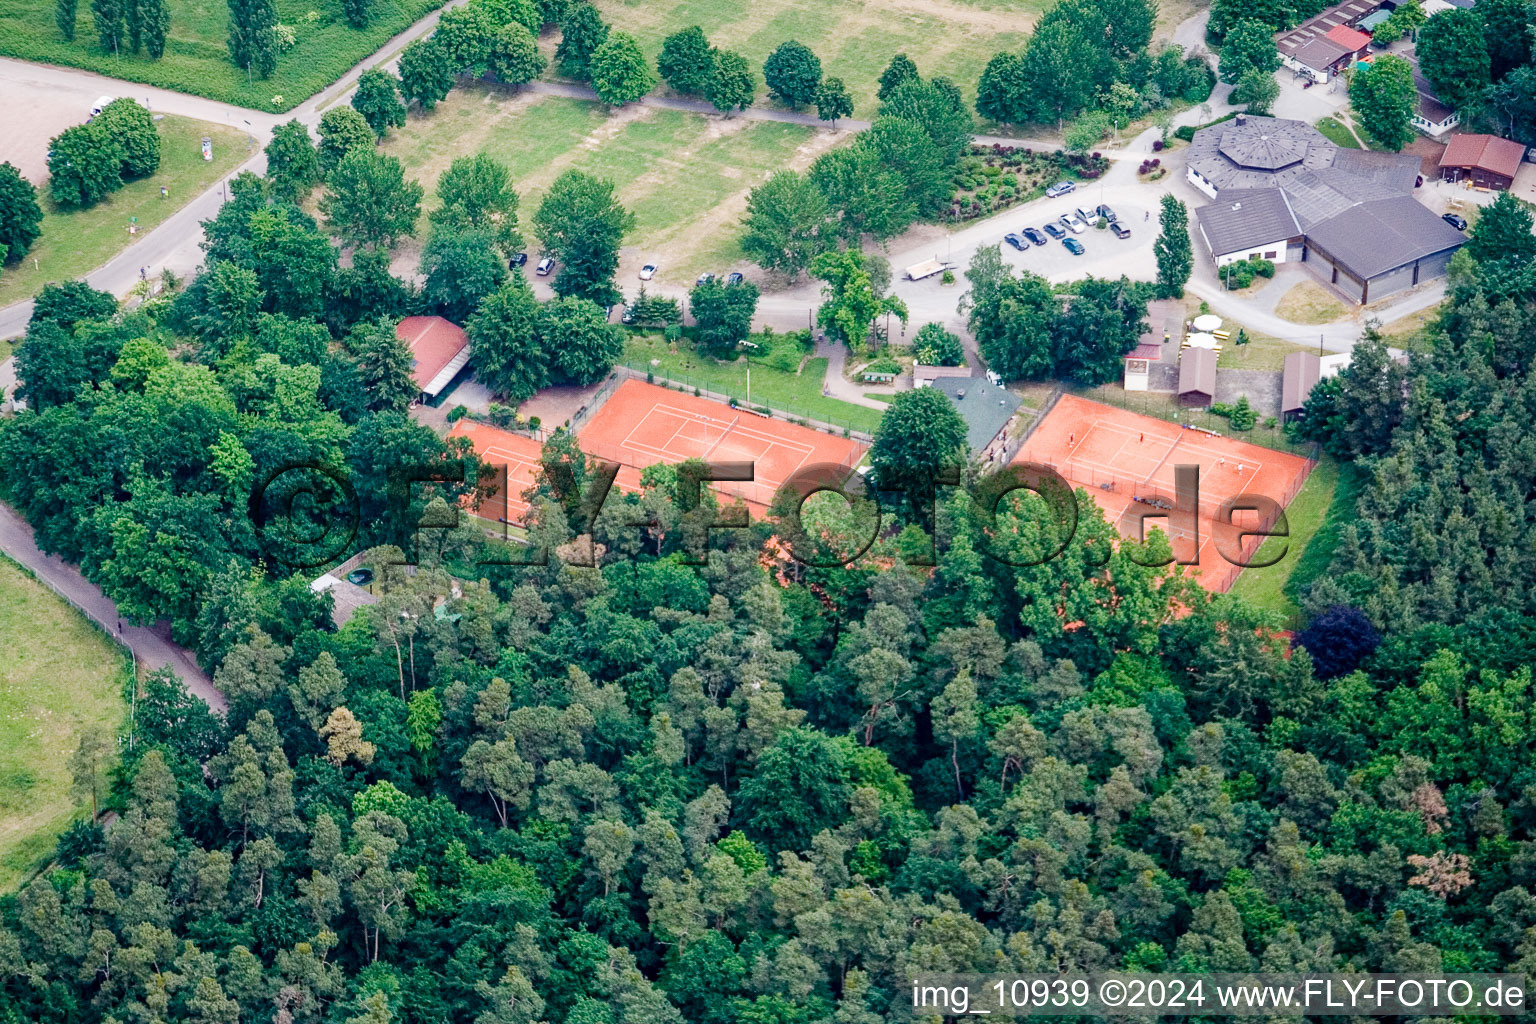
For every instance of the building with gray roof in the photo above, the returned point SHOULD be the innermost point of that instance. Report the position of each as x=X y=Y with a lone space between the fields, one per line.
x=986 y=409
x=1284 y=192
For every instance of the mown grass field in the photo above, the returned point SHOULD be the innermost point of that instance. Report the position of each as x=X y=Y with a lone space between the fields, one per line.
x=59 y=677
x=685 y=176
x=75 y=242
x=1323 y=504
x=797 y=394
x=855 y=39
x=196 y=56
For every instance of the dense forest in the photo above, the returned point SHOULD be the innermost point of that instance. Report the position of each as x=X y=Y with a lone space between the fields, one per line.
x=752 y=790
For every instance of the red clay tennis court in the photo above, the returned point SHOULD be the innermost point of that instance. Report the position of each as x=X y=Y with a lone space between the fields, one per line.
x=520 y=456
x=1126 y=462
x=642 y=424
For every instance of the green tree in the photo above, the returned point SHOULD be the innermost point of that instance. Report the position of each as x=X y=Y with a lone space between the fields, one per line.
x=902 y=147
x=84 y=165
x=1384 y=96
x=66 y=304
x=686 y=62
x=21 y=219
x=1059 y=70
x=506 y=345
x=787 y=223
x=732 y=85
x=582 y=343
x=939 y=109
x=369 y=201
x=1095 y=331
x=1453 y=54
x=618 y=70
x=833 y=101
x=722 y=315
x=1248 y=46
x=1503 y=233
x=253 y=35
x=64 y=14
x=357 y=12
x=869 y=197
x=935 y=346
x=461 y=268
x=1086 y=132
x=852 y=303
x=899 y=70
x=132 y=127
x=476 y=194
x=1506 y=28
x=514 y=56
x=110 y=19
x=1001 y=94
x=1257 y=90
x=153 y=23
x=383 y=365
x=582 y=31
x=799 y=786
x=792 y=73
x=426 y=72
x=1173 y=250
x=377 y=98
x=1011 y=317
x=582 y=224
x=920 y=434
x=465 y=35
x=342 y=130
x=293 y=163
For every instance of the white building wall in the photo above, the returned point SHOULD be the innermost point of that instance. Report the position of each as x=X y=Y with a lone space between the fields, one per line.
x=1193 y=177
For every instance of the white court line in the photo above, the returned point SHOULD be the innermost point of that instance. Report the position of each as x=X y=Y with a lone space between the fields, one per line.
x=665 y=454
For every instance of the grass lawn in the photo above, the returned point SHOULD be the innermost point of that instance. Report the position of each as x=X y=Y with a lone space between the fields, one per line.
x=796 y=394
x=685 y=176
x=75 y=242
x=196 y=56
x=1309 y=303
x=1324 y=502
x=855 y=39
x=59 y=677
x=1338 y=133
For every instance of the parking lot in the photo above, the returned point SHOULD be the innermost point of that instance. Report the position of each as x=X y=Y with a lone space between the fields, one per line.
x=1103 y=254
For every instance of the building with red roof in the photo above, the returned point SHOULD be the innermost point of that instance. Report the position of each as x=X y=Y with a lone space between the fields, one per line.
x=439 y=351
x=1486 y=161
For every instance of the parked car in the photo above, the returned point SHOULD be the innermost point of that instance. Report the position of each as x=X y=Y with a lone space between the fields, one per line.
x=648 y=271
x=734 y=277
x=1107 y=213
x=628 y=316
x=1061 y=188
x=1015 y=241
x=705 y=278
x=1054 y=230
x=521 y=259
x=101 y=104
x=1073 y=246
x=1074 y=223
x=1459 y=223
x=1090 y=214
x=546 y=265
x=1120 y=230
x=1035 y=235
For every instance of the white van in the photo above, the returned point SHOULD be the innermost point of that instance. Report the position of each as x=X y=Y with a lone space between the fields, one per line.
x=101 y=104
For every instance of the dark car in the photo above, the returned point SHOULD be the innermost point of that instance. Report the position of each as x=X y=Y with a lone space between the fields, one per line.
x=521 y=259
x=1073 y=246
x=1459 y=223
x=1035 y=235
x=734 y=277
x=628 y=316
x=1015 y=241
x=1106 y=213
x=1120 y=230
x=1055 y=230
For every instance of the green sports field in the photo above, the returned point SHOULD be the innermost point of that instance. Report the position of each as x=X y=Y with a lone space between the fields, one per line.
x=196 y=58
x=685 y=176
x=59 y=677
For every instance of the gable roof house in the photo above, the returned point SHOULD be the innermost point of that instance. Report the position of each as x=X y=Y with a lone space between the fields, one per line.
x=1281 y=187
x=1325 y=45
x=1431 y=116
x=1486 y=161
x=1197 y=376
x=439 y=351
x=986 y=409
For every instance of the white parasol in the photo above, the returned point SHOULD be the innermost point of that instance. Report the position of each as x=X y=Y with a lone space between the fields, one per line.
x=1202 y=340
x=1207 y=322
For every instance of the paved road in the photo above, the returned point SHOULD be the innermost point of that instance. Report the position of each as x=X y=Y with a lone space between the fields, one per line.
x=150 y=648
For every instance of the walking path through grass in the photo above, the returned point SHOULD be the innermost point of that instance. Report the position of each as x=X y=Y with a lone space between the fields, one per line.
x=60 y=676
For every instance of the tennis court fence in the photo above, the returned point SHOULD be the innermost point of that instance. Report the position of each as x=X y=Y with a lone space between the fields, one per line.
x=623 y=372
